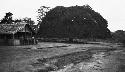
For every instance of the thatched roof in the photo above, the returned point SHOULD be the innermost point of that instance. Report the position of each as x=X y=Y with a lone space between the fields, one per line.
x=11 y=28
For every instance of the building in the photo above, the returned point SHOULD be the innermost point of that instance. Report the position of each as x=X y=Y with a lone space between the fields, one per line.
x=16 y=34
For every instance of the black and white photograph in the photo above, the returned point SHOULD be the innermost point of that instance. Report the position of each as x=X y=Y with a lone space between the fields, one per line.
x=62 y=35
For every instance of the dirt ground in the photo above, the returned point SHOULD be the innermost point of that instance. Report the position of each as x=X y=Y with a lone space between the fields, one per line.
x=63 y=57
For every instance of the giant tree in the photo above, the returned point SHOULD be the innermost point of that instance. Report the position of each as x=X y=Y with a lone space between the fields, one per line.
x=72 y=22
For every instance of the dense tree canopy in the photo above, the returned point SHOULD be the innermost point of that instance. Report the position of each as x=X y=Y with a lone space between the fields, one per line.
x=74 y=22
x=119 y=36
x=7 y=18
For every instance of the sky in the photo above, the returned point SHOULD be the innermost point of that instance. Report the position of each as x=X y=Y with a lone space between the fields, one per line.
x=112 y=10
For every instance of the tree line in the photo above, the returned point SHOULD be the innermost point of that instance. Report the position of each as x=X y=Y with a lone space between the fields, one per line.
x=8 y=19
x=118 y=36
x=70 y=22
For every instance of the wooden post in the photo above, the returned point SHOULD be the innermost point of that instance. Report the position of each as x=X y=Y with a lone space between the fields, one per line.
x=25 y=40
x=13 y=36
x=25 y=32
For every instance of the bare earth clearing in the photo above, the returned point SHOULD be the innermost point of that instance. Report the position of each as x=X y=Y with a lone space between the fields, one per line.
x=63 y=57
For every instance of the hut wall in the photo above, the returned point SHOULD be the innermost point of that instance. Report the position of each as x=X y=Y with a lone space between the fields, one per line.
x=16 y=42
x=13 y=42
x=2 y=42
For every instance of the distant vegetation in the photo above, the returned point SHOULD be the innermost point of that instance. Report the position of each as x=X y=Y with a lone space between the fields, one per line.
x=119 y=36
x=72 y=22
x=69 y=24
x=8 y=19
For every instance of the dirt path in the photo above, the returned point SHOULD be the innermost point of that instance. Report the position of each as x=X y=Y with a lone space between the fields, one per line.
x=95 y=60
x=61 y=57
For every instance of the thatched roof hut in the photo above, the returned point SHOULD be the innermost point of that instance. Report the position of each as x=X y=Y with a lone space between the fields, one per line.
x=17 y=31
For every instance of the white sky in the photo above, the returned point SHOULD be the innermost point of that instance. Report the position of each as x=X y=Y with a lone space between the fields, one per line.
x=112 y=10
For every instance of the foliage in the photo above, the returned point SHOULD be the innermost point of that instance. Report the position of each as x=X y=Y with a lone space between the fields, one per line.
x=74 y=22
x=28 y=21
x=7 y=18
x=42 y=12
x=119 y=36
